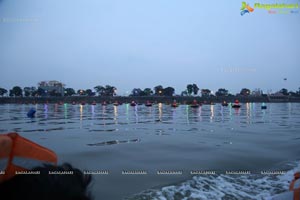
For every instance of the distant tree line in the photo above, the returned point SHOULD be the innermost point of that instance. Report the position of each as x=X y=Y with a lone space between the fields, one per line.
x=108 y=90
x=158 y=91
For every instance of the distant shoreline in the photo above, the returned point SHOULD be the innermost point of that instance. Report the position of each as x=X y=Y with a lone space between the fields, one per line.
x=144 y=99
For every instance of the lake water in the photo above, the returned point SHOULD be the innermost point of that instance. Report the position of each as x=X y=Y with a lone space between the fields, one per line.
x=166 y=139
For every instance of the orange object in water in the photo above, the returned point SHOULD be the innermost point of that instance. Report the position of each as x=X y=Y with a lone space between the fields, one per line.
x=296 y=177
x=20 y=154
x=294 y=190
x=292 y=186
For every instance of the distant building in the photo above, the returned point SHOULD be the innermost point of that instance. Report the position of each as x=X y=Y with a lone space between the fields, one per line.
x=257 y=92
x=52 y=88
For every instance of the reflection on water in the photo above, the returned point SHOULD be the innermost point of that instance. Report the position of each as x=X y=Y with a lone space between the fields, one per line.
x=208 y=137
x=95 y=117
x=116 y=114
x=66 y=110
x=81 y=112
x=160 y=112
x=46 y=111
x=248 y=113
x=211 y=113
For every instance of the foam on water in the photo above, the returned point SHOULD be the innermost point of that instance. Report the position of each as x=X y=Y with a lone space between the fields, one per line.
x=224 y=187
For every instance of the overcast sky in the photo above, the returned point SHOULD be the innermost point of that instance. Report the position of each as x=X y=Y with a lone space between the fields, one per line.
x=145 y=43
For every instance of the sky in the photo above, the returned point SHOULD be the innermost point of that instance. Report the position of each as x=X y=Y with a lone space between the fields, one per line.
x=144 y=43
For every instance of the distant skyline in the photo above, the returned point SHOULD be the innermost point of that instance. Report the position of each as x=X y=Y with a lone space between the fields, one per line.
x=139 y=44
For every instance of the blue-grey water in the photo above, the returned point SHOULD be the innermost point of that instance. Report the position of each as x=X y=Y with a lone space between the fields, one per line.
x=212 y=137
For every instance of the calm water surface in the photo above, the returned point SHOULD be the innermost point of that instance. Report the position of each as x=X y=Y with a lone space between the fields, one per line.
x=212 y=137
